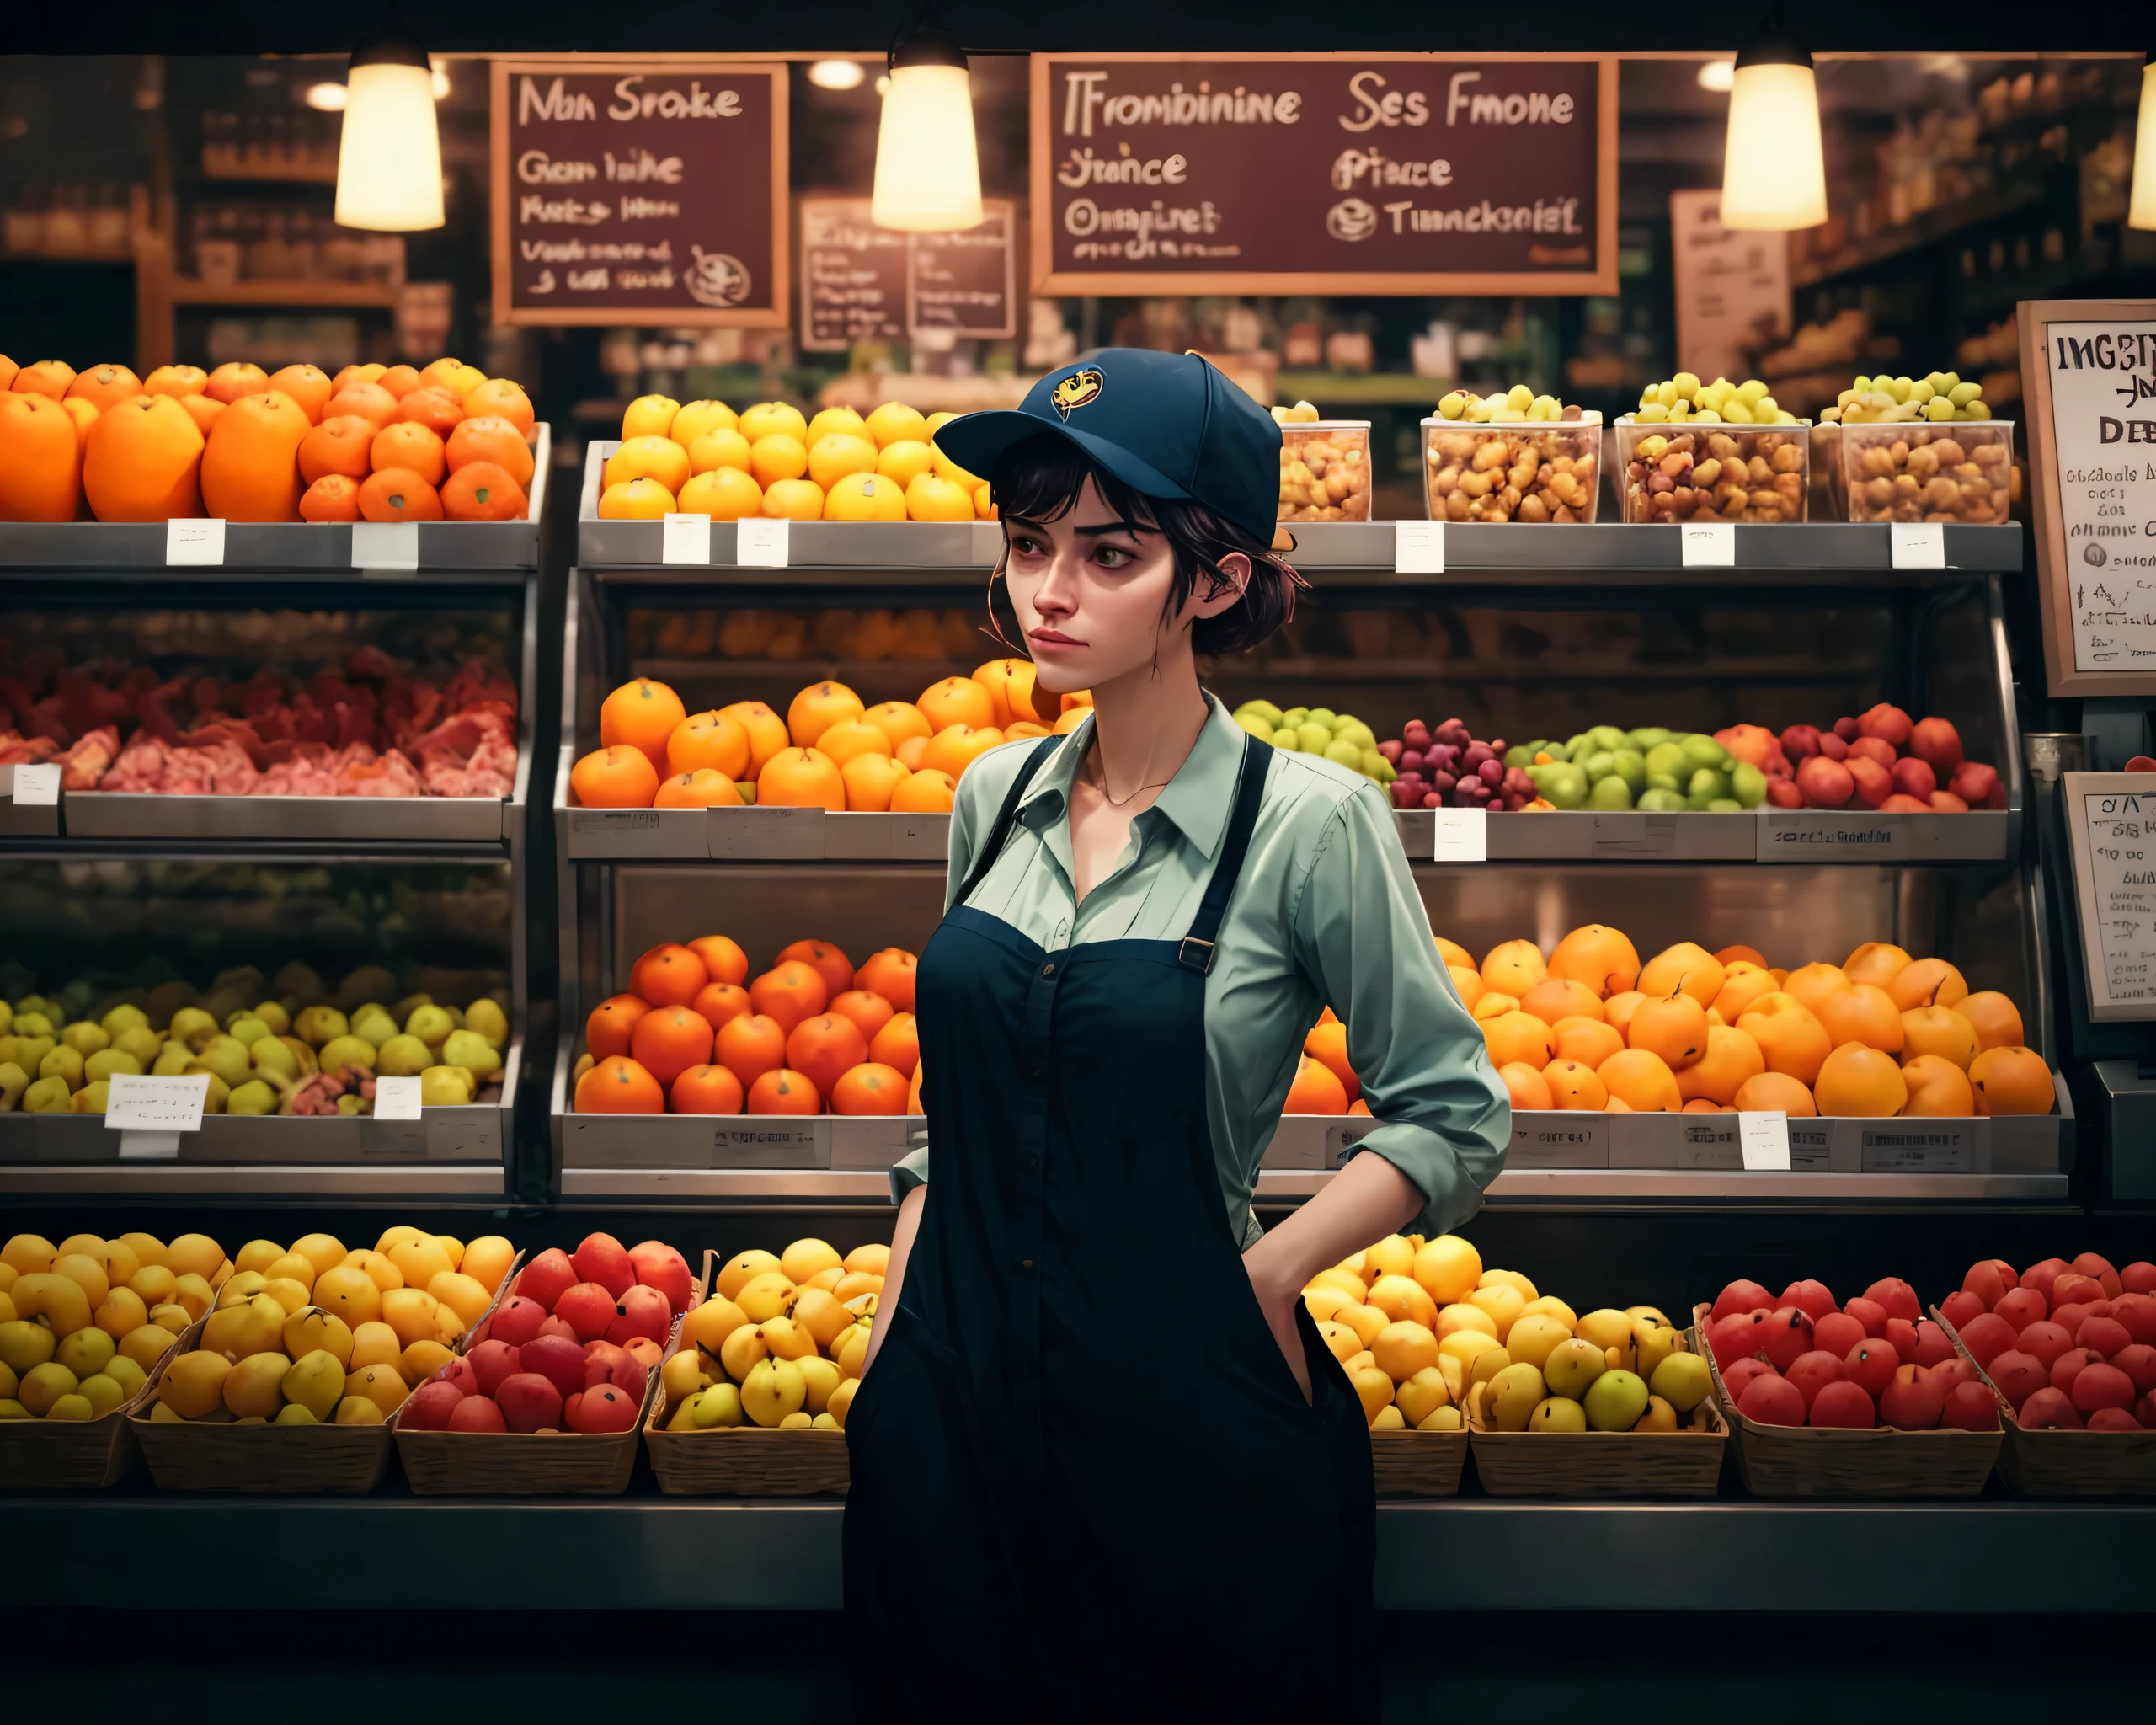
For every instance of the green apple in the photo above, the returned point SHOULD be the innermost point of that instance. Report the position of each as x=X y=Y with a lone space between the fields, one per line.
x=1682 y=1380
x=1615 y=1401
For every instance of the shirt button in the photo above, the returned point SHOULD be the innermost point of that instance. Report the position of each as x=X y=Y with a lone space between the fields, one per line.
x=1025 y=1264
x=1048 y=970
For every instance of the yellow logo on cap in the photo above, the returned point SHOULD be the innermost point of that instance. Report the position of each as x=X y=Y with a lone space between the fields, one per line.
x=1076 y=390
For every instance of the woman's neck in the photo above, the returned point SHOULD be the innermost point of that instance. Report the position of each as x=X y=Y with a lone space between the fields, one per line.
x=1147 y=722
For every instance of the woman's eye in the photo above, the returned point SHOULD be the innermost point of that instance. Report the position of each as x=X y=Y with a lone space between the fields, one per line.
x=1112 y=557
x=1025 y=545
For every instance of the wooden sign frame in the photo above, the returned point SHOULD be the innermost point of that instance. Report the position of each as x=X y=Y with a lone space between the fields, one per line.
x=777 y=316
x=2073 y=788
x=1048 y=283
x=2054 y=570
x=1013 y=210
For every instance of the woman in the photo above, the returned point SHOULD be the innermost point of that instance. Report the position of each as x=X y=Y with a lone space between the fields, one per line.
x=1103 y=1465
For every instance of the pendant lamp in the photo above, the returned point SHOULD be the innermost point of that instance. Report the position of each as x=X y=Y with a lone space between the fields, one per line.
x=927 y=167
x=1773 y=174
x=2141 y=209
x=389 y=158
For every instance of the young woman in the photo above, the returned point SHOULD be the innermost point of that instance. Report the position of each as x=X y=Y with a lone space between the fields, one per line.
x=1104 y=1467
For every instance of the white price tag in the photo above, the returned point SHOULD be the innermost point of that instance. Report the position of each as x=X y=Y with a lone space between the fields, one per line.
x=1462 y=835
x=1418 y=547
x=763 y=542
x=396 y=1100
x=1708 y=544
x=1918 y=545
x=685 y=539
x=390 y=547
x=194 y=542
x=1764 y=1140
x=149 y=1146
x=37 y=785
x=141 y=1102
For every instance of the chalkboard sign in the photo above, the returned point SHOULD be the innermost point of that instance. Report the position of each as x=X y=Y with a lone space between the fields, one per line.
x=966 y=282
x=859 y=282
x=640 y=192
x=1287 y=173
x=2110 y=823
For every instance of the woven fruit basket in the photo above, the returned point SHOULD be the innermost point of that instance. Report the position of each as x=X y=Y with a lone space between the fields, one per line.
x=2064 y=1464
x=1603 y=1466
x=1418 y=1464
x=1811 y=1461
x=72 y=1455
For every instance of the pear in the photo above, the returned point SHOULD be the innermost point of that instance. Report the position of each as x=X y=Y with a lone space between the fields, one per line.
x=13 y=1081
x=402 y=1057
x=373 y=1021
x=1557 y=1413
x=173 y=1060
x=192 y=1026
x=719 y=1405
x=7 y=1018
x=310 y=1330
x=292 y=1413
x=251 y=1098
x=348 y=1104
x=316 y=1383
x=254 y=1326
x=226 y=1057
x=447 y=1088
x=683 y=1376
x=91 y=1098
x=431 y=1024
x=247 y=1029
x=219 y=1092
x=64 y=1063
x=1615 y=1401
x=320 y=1024
x=347 y=1051
x=48 y=1096
x=140 y=1041
x=410 y=1004
x=1572 y=1366
x=85 y=1037
x=485 y=1018
x=106 y=1061
x=253 y=1388
x=1512 y=1395
x=773 y=1389
x=273 y=1014
x=472 y=1051
x=270 y=1055
x=33 y=1025
x=308 y=1065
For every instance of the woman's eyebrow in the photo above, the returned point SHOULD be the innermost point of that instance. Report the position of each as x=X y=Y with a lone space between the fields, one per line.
x=1133 y=528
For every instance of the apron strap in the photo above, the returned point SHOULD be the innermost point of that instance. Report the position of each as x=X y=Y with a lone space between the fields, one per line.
x=1197 y=949
x=986 y=858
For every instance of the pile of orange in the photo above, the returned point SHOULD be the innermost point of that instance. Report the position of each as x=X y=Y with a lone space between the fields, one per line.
x=383 y=443
x=1591 y=1028
x=829 y=751
x=704 y=459
x=696 y=1034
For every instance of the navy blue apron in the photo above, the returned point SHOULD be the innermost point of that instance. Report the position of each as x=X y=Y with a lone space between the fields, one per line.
x=1085 y=1485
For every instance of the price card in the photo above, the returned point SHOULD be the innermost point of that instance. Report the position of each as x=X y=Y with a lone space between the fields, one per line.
x=194 y=542
x=1708 y=544
x=1918 y=545
x=685 y=539
x=150 y=1113
x=1418 y=547
x=386 y=548
x=763 y=543
x=396 y=1100
x=1462 y=835
x=38 y=785
x=1764 y=1140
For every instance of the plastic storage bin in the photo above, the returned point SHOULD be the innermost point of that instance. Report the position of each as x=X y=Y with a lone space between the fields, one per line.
x=1956 y=470
x=1325 y=471
x=1540 y=470
x=1691 y=472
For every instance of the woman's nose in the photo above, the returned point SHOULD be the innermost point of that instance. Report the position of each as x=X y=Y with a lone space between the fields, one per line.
x=1057 y=594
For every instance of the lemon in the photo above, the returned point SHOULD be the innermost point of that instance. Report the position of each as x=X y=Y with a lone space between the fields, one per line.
x=696 y=418
x=638 y=500
x=832 y=456
x=865 y=497
x=904 y=459
x=776 y=456
x=799 y=500
x=833 y=422
x=894 y=422
x=768 y=417
x=721 y=447
x=724 y=494
x=932 y=498
x=649 y=416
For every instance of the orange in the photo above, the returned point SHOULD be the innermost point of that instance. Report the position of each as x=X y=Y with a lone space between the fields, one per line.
x=1071 y=719
x=504 y=398
x=619 y=1086
x=870 y=1088
x=1010 y=686
x=2012 y=1080
x=795 y=500
x=1327 y=1043
x=1927 y=982
x=1732 y=1058
x=105 y=387
x=956 y=747
x=250 y=466
x=817 y=708
x=1618 y=1105
x=720 y=1003
x=780 y=1092
x=308 y=387
x=1518 y=1036
x=932 y=791
x=1937 y=1087
x=659 y=458
x=400 y=380
x=789 y=992
x=1675 y=1028
x=1467 y=982
x=1598 y=957
x=490 y=438
x=343 y=444
x=801 y=778
x=870 y=780
x=1574 y=1084
x=889 y=972
x=1687 y=967
x=204 y=410
x=649 y=416
x=1314 y=1091
x=1640 y=1079
x=1812 y=984
x=1997 y=1020
x=1855 y=1080
x=142 y=462
x=749 y=1045
x=361 y=401
x=1788 y=1035
x=930 y=497
x=1617 y=1011
x=1525 y=1086
x=176 y=381
x=831 y=458
x=766 y=731
x=1748 y=955
x=234 y=379
x=851 y=737
x=643 y=714
x=915 y=1106
x=638 y=500
x=775 y=457
x=615 y=778
x=700 y=419
x=864 y=497
x=904 y=460
x=1938 y=1030
x=956 y=701
x=480 y=491
x=723 y=494
x=608 y=1029
x=824 y=1048
x=708 y=739
x=826 y=961
x=723 y=447
x=898 y=720
x=667 y=1040
x=404 y=444
x=1743 y=982
x=1864 y=1013
x=1556 y=997
x=334 y=497
x=723 y=961
x=46 y=378
x=668 y=975
x=897 y=1045
x=1490 y=1004
x=452 y=377
x=1875 y=962
x=1775 y=1094
x=1586 y=1040
x=869 y=1011
x=357 y=374
x=398 y=494
x=909 y=752
x=1513 y=966
x=706 y=1090
x=85 y=414
x=1702 y=1106
x=703 y=789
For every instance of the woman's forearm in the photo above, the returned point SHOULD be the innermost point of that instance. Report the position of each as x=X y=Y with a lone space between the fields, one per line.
x=894 y=1274
x=1366 y=1201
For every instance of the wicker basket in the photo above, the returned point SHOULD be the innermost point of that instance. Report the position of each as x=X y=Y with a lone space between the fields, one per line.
x=71 y=1455
x=1812 y=1461
x=2053 y=1464
x=1418 y=1464
x=1603 y=1466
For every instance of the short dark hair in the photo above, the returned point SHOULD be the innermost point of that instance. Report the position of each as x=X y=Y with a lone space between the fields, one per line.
x=1040 y=480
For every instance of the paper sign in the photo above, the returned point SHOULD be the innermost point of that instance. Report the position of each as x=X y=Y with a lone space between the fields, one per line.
x=1764 y=1139
x=139 y=1102
x=37 y=785
x=1418 y=547
x=685 y=539
x=194 y=542
x=1708 y=544
x=390 y=547
x=396 y=1098
x=763 y=542
x=1462 y=835
x=1918 y=545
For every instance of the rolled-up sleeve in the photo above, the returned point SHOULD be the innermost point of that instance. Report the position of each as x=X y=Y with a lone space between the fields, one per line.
x=1360 y=931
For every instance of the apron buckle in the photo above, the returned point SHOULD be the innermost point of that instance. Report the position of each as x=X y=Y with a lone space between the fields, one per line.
x=1197 y=954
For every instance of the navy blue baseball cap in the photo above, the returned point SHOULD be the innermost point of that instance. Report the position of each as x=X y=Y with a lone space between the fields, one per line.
x=1168 y=424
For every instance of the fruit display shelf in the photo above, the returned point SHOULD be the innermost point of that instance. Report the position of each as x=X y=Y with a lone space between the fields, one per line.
x=1777 y=836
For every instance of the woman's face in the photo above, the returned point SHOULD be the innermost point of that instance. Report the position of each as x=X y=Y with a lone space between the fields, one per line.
x=1090 y=588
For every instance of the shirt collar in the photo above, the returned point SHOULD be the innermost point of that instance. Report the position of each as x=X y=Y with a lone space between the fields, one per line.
x=1196 y=801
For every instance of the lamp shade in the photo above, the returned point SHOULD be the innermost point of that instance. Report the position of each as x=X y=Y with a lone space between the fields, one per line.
x=927 y=167
x=2141 y=209
x=1773 y=174
x=389 y=158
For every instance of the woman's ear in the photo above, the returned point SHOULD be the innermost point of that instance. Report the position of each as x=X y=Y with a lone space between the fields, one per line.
x=1234 y=577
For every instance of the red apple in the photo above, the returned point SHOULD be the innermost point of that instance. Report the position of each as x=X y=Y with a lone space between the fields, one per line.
x=599 y=1360
x=477 y=1413
x=1973 y=782
x=1836 y=1333
x=1960 y=1307
x=1740 y=1377
x=629 y=1377
x=529 y=1403
x=2138 y=1277
x=1984 y=1281
x=560 y=1362
x=2073 y=1289
x=2008 y=1276
x=1812 y=1372
x=2048 y=1411
x=603 y=1259
x=1901 y=1336
x=1833 y=745
x=557 y=1325
x=1950 y=1372
x=515 y=1321
x=1914 y=778
x=1815 y=1299
x=2018 y=1375
x=2137 y=1362
x=1937 y=744
x=2138 y=1313
x=2103 y=1336
x=2045 y=1343
x=1772 y=1401
x=492 y=1360
x=1845 y=1405
x=1847 y=728
x=1886 y=722
x=2144 y=1410
x=647 y=1353
x=1912 y=1402
x=547 y=1278
x=1786 y=1338
x=1874 y=783
x=659 y=1265
x=2071 y=1317
x=1740 y=1296
x=1946 y=803
x=1970 y=1408
x=2113 y=1419
x=2069 y=1365
x=1824 y=783
x=640 y=1311
x=2021 y=1308
x=2040 y=1275
x=462 y=1373
x=1876 y=750
x=2101 y=1385
x=587 y=1309
x=2095 y=1265
x=1869 y=1313
x=1800 y=740
x=1871 y=1364
x=428 y=1408
x=603 y=1409
x=1732 y=1338
x=1783 y=793
x=1987 y=1336
x=1933 y=1344
x=1896 y=1297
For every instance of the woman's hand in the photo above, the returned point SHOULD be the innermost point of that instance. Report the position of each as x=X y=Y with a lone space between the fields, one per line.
x=1278 y=1290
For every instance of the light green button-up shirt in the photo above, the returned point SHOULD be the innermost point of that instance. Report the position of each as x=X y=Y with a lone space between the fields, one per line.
x=1325 y=911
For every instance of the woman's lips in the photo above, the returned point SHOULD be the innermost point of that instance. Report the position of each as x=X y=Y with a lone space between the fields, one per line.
x=1052 y=640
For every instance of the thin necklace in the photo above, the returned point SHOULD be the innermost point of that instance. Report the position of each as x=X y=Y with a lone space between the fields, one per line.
x=1101 y=784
